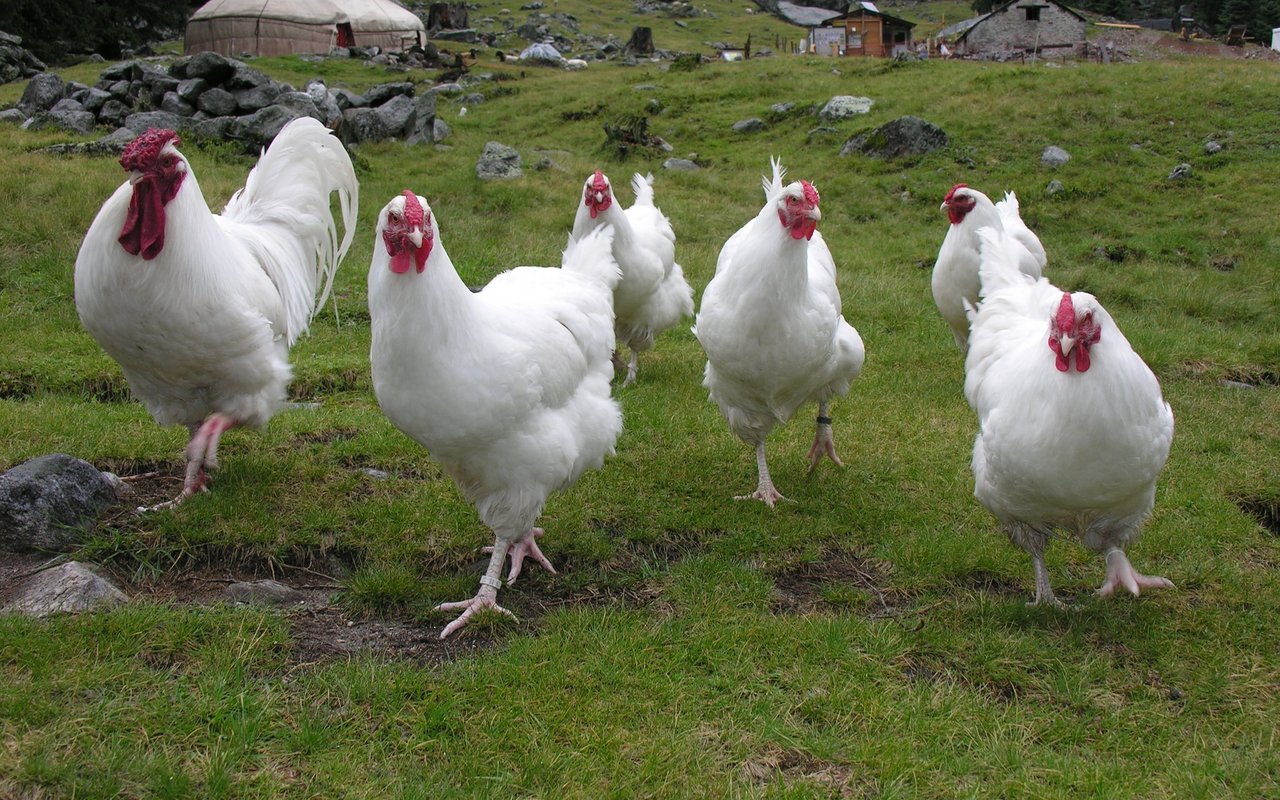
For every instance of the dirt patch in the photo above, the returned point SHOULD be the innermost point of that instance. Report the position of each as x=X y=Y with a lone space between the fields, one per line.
x=319 y=635
x=1146 y=43
x=1265 y=511
x=797 y=769
x=980 y=580
x=838 y=579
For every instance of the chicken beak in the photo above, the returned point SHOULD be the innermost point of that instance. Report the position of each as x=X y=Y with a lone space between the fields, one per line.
x=945 y=205
x=136 y=176
x=415 y=236
x=813 y=214
x=1068 y=343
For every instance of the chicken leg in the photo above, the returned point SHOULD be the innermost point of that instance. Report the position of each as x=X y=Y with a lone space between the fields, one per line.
x=202 y=455
x=824 y=444
x=1121 y=573
x=487 y=596
x=764 y=490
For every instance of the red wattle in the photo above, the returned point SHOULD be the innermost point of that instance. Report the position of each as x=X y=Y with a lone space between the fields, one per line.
x=400 y=262
x=143 y=231
x=1082 y=359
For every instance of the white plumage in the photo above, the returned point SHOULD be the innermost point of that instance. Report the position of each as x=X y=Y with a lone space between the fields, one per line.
x=1073 y=428
x=955 y=272
x=653 y=294
x=770 y=323
x=508 y=387
x=200 y=309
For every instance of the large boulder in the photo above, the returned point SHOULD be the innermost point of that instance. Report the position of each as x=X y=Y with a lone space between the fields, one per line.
x=42 y=92
x=51 y=502
x=258 y=129
x=253 y=98
x=399 y=115
x=212 y=67
x=383 y=92
x=216 y=102
x=142 y=121
x=425 y=121
x=845 y=106
x=362 y=125
x=905 y=137
x=17 y=62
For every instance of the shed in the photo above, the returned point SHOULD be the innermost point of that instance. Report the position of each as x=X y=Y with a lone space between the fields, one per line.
x=1032 y=26
x=282 y=27
x=863 y=30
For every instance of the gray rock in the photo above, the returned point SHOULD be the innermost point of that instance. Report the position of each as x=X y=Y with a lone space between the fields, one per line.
x=41 y=93
x=216 y=128
x=1180 y=173
x=680 y=165
x=300 y=103
x=1054 y=156
x=1212 y=147
x=216 y=102
x=71 y=588
x=70 y=121
x=49 y=502
x=348 y=99
x=13 y=116
x=845 y=106
x=119 y=89
x=325 y=102
x=212 y=67
x=66 y=106
x=264 y=593
x=120 y=136
x=114 y=112
x=94 y=99
x=753 y=125
x=141 y=121
x=243 y=76
x=192 y=88
x=385 y=91
x=472 y=99
x=1230 y=384
x=904 y=137
x=424 y=121
x=259 y=128
x=361 y=125
x=257 y=97
x=159 y=87
x=399 y=115
x=446 y=88
x=644 y=87
x=440 y=130
x=822 y=133
x=1055 y=187
x=498 y=162
x=174 y=104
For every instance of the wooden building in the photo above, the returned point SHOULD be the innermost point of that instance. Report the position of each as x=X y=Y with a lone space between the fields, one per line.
x=863 y=31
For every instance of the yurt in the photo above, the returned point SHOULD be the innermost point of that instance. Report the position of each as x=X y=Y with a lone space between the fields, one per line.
x=281 y=27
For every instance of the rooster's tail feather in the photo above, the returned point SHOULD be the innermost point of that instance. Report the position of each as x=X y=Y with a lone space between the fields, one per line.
x=285 y=201
x=642 y=186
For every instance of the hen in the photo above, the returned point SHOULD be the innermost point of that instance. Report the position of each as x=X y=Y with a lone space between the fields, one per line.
x=955 y=273
x=1073 y=430
x=771 y=326
x=653 y=294
x=200 y=309
x=508 y=387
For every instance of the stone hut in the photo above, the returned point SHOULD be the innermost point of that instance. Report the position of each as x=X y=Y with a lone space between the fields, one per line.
x=1044 y=27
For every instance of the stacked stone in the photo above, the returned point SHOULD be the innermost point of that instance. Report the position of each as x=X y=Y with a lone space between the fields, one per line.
x=209 y=95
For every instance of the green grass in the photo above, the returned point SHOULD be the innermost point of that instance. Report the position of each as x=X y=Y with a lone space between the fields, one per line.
x=869 y=639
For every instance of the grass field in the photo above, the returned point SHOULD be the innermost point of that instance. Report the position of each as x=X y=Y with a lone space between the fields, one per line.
x=870 y=639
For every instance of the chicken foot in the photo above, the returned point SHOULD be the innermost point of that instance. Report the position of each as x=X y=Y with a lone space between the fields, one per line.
x=824 y=444
x=1121 y=573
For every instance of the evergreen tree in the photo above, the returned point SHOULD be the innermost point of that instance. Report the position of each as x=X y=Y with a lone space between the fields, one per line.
x=58 y=31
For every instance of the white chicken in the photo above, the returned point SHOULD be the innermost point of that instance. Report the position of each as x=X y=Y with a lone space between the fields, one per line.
x=771 y=326
x=507 y=388
x=653 y=294
x=955 y=272
x=200 y=309
x=1073 y=430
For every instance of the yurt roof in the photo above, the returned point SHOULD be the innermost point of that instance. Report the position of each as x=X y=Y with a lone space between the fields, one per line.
x=365 y=15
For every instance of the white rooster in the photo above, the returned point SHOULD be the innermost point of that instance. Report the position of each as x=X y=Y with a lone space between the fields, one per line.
x=771 y=326
x=1073 y=428
x=955 y=272
x=653 y=294
x=507 y=388
x=200 y=309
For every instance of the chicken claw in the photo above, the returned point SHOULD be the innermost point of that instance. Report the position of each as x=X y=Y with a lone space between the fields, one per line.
x=1121 y=573
x=527 y=546
x=487 y=597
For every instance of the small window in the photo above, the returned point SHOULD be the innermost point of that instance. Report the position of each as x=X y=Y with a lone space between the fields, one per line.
x=1033 y=13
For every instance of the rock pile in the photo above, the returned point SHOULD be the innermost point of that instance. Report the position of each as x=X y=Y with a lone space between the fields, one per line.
x=211 y=96
x=16 y=61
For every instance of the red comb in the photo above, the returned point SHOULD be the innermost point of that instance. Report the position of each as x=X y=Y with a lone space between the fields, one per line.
x=413 y=213
x=1066 y=313
x=141 y=154
x=599 y=183
x=952 y=193
x=810 y=193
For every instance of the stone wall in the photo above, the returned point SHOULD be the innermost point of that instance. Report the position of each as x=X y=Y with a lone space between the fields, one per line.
x=1058 y=30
